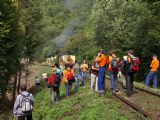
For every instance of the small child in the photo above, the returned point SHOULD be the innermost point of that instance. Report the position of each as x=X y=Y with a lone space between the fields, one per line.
x=37 y=81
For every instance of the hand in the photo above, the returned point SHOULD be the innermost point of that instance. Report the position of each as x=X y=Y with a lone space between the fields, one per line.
x=97 y=58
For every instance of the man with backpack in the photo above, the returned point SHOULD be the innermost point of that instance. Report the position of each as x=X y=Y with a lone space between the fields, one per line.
x=102 y=61
x=54 y=82
x=153 y=72
x=130 y=68
x=113 y=68
x=70 y=78
x=23 y=105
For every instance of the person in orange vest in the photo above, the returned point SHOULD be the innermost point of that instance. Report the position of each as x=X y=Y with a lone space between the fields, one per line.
x=102 y=60
x=84 y=67
x=153 y=72
x=65 y=81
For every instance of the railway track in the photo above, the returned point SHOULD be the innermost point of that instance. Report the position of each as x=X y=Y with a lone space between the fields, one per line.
x=141 y=93
x=145 y=90
x=148 y=91
x=134 y=106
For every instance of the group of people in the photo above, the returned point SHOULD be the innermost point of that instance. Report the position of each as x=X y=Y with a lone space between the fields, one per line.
x=71 y=74
x=126 y=68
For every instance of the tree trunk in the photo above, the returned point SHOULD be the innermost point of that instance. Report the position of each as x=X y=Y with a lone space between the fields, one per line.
x=27 y=69
x=4 y=77
x=15 y=85
x=19 y=78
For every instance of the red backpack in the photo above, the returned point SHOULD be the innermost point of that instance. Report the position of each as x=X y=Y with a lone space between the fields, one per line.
x=70 y=75
x=51 y=79
x=135 y=64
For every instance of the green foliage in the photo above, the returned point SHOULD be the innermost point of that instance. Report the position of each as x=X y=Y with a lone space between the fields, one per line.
x=55 y=17
x=11 y=42
x=31 y=15
x=120 y=25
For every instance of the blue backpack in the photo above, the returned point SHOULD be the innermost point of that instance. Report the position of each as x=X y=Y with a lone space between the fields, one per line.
x=114 y=64
x=57 y=79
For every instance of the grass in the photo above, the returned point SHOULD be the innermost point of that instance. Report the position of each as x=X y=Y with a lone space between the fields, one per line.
x=84 y=105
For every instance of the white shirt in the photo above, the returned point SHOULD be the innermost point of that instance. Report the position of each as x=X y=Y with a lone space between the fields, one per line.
x=44 y=75
x=37 y=80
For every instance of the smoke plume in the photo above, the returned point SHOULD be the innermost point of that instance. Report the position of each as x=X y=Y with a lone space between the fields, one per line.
x=68 y=32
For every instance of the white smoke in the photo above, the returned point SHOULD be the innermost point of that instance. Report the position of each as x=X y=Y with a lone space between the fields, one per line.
x=68 y=32
x=70 y=4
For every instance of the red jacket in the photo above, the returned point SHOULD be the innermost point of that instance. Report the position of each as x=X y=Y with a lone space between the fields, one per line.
x=51 y=79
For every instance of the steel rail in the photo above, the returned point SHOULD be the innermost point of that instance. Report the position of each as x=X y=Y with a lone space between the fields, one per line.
x=144 y=90
x=134 y=106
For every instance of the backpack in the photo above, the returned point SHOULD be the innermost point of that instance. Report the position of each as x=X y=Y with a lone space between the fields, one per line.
x=57 y=79
x=26 y=103
x=70 y=76
x=135 y=64
x=51 y=79
x=114 y=64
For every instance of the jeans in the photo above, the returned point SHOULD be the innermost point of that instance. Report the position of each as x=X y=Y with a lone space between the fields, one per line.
x=76 y=83
x=69 y=88
x=153 y=76
x=94 y=82
x=114 y=82
x=29 y=117
x=66 y=88
x=101 y=79
x=83 y=78
x=52 y=93
x=55 y=89
x=129 y=83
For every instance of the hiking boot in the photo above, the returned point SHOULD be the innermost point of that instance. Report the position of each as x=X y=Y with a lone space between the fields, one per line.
x=81 y=84
x=128 y=95
x=100 y=94
x=124 y=87
x=116 y=90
